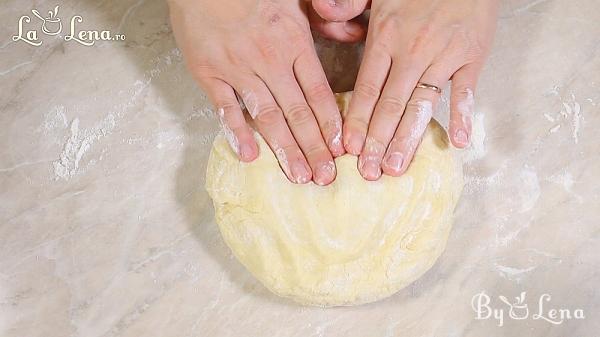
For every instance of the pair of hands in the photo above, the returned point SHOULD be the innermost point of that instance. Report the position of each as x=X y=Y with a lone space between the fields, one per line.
x=262 y=52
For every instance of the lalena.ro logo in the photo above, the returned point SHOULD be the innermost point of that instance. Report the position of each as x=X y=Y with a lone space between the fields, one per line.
x=52 y=26
x=519 y=309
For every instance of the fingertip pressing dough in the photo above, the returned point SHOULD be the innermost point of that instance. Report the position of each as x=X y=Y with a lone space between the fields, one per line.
x=352 y=242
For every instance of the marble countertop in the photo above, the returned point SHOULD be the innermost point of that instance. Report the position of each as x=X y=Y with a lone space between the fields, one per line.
x=106 y=229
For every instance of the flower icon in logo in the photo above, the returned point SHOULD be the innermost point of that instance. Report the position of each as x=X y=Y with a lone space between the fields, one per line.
x=52 y=19
x=518 y=309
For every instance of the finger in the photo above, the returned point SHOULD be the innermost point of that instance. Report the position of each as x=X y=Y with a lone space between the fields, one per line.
x=270 y=122
x=369 y=83
x=302 y=122
x=462 y=104
x=348 y=31
x=236 y=130
x=312 y=80
x=340 y=10
x=389 y=109
x=417 y=115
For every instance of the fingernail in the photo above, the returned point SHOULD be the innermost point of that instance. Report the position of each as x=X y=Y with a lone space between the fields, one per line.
x=325 y=173
x=394 y=161
x=371 y=170
x=300 y=172
x=462 y=137
x=246 y=152
x=354 y=145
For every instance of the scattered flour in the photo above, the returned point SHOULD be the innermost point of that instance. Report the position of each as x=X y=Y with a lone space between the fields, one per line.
x=55 y=119
x=549 y=118
x=511 y=273
x=528 y=188
x=566 y=181
x=80 y=140
x=201 y=112
x=165 y=137
x=570 y=111
x=78 y=144
x=478 y=184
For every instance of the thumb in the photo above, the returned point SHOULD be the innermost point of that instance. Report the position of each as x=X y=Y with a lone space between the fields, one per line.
x=340 y=10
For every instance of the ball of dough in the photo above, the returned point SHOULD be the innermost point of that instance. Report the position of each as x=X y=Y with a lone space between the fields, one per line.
x=351 y=242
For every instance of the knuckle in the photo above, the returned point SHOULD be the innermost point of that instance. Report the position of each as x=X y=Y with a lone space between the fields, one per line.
x=268 y=115
x=292 y=151
x=228 y=106
x=298 y=113
x=392 y=106
x=267 y=50
x=462 y=91
x=319 y=92
x=374 y=146
x=367 y=90
x=357 y=125
x=414 y=105
x=315 y=149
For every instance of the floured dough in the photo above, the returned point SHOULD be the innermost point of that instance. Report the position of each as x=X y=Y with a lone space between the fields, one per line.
x=351 y=242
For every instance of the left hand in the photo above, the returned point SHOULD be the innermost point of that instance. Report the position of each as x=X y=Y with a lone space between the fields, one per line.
x=411 y=42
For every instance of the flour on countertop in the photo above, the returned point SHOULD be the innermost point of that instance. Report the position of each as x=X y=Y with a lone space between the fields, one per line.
x=201 y=112
x=80 y=140
x=511 y=273
x=565 y=180
x=475 y=184
x=570 y=112
x=78 y=144
x=528 y=188
x=55 y=119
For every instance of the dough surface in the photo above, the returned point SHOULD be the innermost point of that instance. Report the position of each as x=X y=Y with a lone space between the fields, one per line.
x=351 y=242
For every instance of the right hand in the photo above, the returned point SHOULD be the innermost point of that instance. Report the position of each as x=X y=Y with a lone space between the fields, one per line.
x=263 y=51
